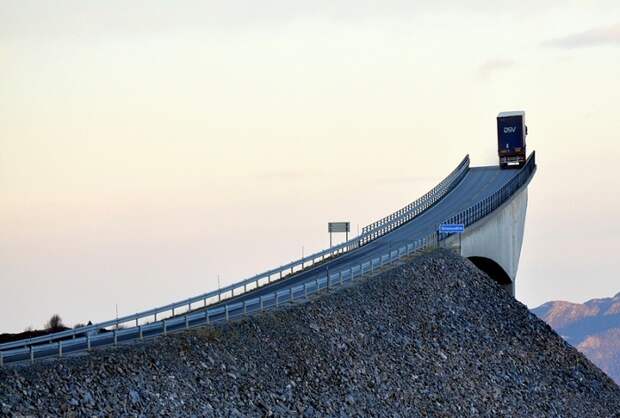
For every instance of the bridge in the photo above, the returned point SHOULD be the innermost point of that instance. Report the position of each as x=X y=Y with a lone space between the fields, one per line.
x=490 y=202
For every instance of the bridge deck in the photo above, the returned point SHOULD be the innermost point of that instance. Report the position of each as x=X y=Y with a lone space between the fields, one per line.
x=477 y=184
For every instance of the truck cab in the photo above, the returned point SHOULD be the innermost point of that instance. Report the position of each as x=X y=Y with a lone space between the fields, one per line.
x=511 y=133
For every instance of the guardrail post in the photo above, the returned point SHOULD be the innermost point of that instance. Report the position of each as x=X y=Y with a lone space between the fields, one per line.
x=1 y=359
x=226 y=313
x=165 y=327
x=60 y=348
x=290 y=294
x=141 y=332
x=245 y=308
x=261 y=302
x=31 y=354
x=340 y=277
x=88 y=342
x=173 y=311
x=305 y=290
x=136 y=321
x=205 y=302
x=186 y=322
x=115 y=338
x=189 y=305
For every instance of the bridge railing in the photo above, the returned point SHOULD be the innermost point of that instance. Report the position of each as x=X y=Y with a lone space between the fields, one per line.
x=369 y=233
x=487 y=205
x=415 y=208
x=223 y=313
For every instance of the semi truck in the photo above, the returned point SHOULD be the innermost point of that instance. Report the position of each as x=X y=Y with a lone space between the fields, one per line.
x=511 y=133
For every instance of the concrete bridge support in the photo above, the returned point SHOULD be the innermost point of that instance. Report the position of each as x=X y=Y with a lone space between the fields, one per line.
x=494 y=243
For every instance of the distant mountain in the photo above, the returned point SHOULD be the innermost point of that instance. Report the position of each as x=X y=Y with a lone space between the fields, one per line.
x=592 y=327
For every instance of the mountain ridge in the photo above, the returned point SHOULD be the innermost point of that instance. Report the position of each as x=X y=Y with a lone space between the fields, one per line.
x=593 y=327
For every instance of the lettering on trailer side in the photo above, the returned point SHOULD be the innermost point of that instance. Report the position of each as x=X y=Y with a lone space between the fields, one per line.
x=510 y=129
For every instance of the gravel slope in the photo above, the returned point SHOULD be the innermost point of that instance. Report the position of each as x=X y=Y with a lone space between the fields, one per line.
x=433 y=337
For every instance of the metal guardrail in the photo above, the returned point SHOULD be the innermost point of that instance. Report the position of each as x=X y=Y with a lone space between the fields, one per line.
x=417 y=207
x=87 y=338
x=371 y=232
x=228 y=312
x=487 y=205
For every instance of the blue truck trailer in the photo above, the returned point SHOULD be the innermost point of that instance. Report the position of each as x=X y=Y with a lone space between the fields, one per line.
x=511 y=133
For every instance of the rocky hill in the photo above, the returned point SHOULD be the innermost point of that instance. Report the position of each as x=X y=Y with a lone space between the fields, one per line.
x=593 y=327
x=432 y=337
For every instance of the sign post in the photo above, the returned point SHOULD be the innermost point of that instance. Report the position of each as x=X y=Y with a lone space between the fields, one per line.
x=338 y=227
x=452 y=229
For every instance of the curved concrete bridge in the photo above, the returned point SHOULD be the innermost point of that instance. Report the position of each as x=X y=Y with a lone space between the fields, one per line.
x=489 y=201
x=493 y=243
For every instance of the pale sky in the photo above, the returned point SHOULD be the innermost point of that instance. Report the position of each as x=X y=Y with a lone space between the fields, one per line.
x=148 y=146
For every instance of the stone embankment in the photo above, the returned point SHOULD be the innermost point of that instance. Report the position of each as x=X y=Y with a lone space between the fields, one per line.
x=432 y=337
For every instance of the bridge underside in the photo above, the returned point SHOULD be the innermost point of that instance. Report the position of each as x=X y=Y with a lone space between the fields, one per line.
x=494 y=271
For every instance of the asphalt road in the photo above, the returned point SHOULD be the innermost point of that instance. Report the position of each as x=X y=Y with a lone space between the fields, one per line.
x=478 y=183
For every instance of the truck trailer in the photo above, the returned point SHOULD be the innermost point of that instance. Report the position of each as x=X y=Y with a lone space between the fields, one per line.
x=511 y=133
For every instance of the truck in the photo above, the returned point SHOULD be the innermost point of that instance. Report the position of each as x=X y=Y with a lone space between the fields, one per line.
x=511 y=133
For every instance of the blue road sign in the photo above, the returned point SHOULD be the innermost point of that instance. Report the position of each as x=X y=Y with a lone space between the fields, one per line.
x=452 y=228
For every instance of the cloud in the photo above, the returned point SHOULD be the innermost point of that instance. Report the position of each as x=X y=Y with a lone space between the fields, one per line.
x=603 y=36
x=405 y=179
x=83 y=20
x=487 y=69
x=282 y=175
